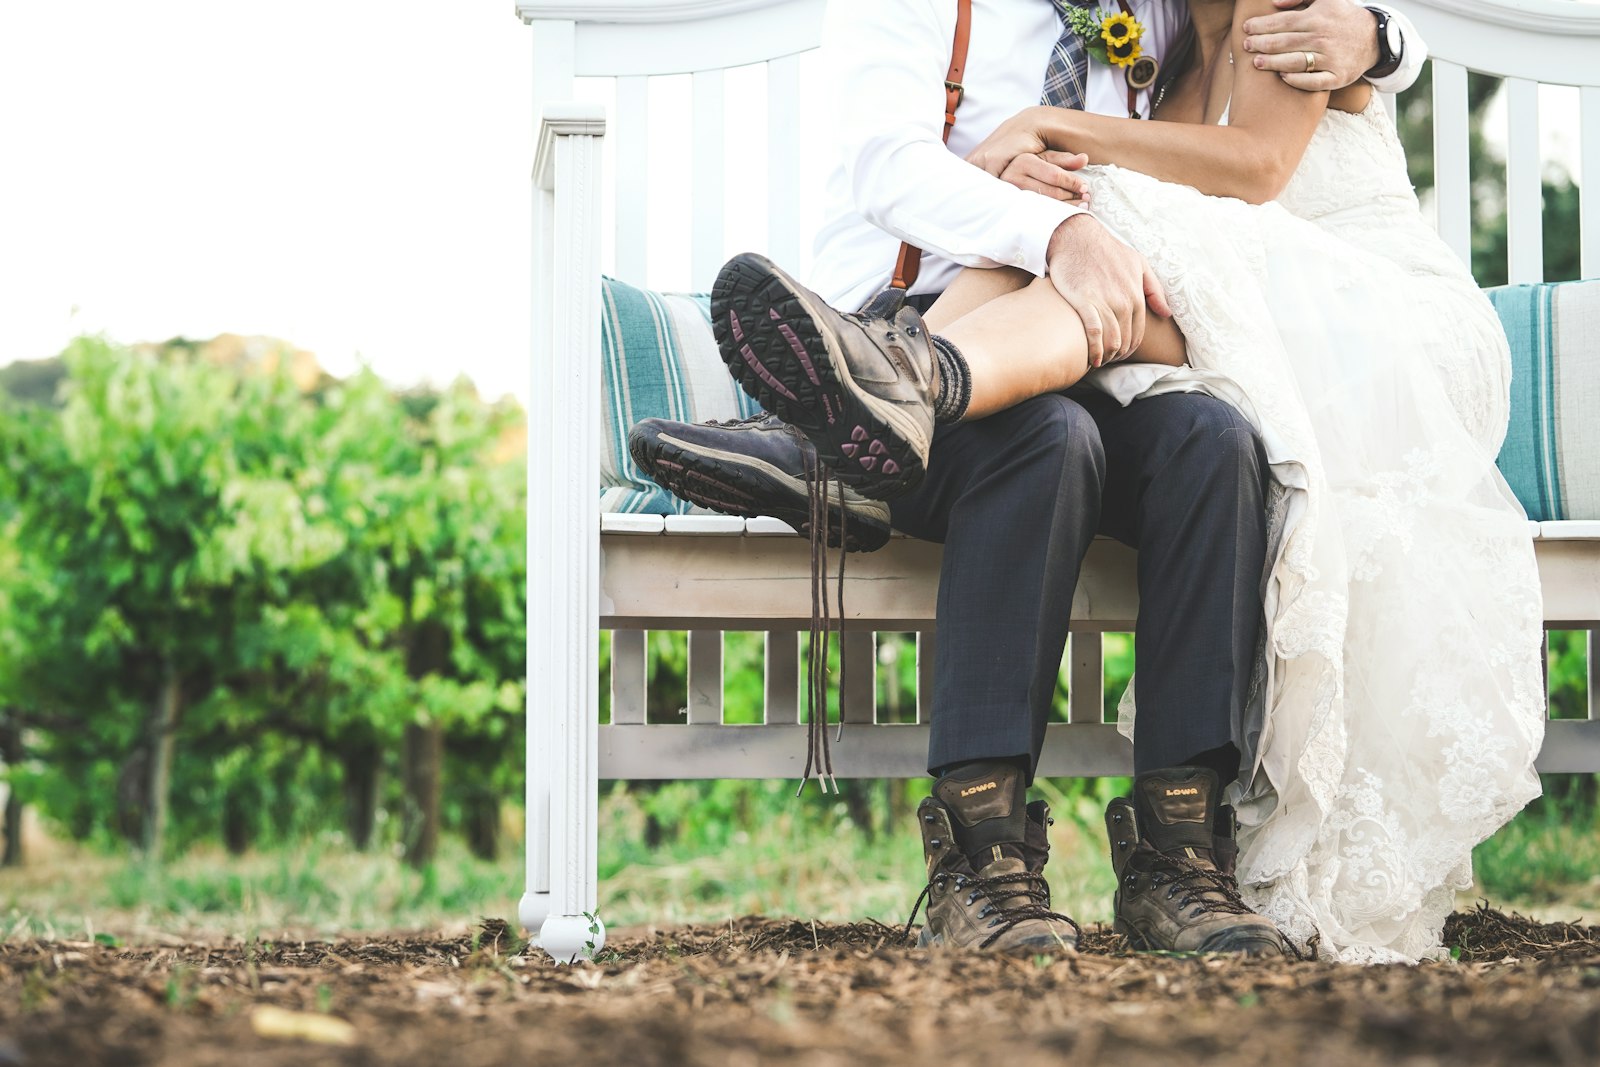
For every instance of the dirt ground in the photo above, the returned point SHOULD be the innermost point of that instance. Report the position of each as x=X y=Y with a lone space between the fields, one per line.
x=763 y=991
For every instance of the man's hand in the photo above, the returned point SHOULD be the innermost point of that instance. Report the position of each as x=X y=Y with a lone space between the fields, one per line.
x=1107 y=283
x=1341 y=37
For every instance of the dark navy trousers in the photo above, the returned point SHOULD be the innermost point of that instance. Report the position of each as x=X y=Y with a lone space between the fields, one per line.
x=1016 y=499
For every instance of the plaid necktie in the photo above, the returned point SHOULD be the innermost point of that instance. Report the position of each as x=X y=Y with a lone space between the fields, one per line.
x=1068 y=70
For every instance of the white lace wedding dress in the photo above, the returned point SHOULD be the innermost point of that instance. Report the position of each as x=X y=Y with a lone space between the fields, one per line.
x=1401 y=702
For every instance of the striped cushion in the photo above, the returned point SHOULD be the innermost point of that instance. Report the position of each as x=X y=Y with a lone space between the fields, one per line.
x=1551 y=455
x=660 y=361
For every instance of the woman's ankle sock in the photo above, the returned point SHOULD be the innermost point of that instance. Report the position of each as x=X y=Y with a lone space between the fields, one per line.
x=955 y=382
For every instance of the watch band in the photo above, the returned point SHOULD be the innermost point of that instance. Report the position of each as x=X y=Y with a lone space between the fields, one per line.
x=1388 y=57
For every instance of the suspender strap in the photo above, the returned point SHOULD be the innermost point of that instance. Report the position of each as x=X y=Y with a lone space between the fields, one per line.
x=910 y=260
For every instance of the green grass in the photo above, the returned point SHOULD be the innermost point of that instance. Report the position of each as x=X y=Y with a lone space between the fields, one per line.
x=1545 y=857
x=319 y=889
x=797 y=856
x=722 y=849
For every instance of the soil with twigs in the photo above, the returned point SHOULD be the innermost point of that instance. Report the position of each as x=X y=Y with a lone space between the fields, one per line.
x=764 y=991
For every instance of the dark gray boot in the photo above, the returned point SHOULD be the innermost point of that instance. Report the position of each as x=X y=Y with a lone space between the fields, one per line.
x=1175 y=886
x=1005 y=903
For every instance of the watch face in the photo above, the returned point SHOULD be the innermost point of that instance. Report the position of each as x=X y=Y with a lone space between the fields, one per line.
x=1392 y=33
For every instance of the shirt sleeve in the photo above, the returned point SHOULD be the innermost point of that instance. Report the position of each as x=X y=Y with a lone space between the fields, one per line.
x=885 y=65
x=1412 y=57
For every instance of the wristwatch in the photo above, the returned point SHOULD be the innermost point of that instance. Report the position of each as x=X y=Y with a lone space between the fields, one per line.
x=1391 y=45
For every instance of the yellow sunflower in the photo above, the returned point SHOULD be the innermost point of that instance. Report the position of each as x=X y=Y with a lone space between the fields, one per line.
x=1123 y=54
x=1120 y=29
x=1121 y=33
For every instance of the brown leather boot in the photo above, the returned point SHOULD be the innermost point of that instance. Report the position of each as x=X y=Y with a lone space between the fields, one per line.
x=1175 y=886
x=859 y=386
x=1003 y=905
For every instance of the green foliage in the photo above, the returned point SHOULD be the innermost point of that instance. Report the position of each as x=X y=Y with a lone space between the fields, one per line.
x=225 y=592
x=1548 y=853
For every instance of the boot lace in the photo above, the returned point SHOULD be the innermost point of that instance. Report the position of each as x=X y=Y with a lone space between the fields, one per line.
x=819 y=753
x=1211 y=891
x=1207 y=888
x=748 y=420
x=820 y=487
x=1028 y=885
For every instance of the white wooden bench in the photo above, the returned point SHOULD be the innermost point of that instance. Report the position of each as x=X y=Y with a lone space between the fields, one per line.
x=631 y=574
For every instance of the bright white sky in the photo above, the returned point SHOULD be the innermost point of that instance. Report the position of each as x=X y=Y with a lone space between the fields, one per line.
x=353 y=178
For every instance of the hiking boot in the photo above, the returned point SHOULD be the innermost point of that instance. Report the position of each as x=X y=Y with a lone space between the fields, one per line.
x=750 y=467
x=860 y=386
x=1175 y=886
x=1005 y=903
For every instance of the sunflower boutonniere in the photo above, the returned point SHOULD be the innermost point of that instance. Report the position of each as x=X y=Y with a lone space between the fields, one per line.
x=1112 y=39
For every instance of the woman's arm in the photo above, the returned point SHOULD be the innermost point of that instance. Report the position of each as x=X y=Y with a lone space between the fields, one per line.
x=1251 y=158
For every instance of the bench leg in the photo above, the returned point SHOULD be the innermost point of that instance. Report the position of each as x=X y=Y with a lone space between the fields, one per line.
x=571 y=929
x=534 y=908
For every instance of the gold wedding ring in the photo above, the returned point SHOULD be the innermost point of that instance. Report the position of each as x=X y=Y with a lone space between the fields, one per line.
x=1311 y=62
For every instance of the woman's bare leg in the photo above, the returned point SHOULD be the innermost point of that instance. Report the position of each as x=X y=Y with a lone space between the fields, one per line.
x=1028 y=341
x=973 y=287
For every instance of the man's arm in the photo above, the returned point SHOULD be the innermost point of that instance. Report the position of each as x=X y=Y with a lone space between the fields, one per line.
x=886 y=62
x=1343 y=38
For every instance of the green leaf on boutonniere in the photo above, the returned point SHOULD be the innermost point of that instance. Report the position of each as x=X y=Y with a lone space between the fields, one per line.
x=1098 y=51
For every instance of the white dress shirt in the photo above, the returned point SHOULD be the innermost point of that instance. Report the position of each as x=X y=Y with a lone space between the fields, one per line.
x=884 y=65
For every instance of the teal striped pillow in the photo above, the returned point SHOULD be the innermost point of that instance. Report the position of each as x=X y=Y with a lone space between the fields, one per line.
x=659 y=361
x=1551 y=456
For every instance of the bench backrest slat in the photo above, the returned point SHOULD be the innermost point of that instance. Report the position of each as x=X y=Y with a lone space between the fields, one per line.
x=706 y=250
x=1451 y=154
x=1524 y=190
x=783 y=159
x=632 y=172
x=1589 y=161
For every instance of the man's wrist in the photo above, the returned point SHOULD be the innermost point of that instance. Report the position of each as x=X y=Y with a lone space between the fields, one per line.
x=1388 y=45
x=1059 y=238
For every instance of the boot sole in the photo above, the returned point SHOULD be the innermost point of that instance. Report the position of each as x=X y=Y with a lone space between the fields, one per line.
x=1248 y=946
x=745 y=487
x=926 y=940
x=767 y=332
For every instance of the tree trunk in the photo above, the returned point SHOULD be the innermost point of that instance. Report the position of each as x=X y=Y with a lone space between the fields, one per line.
x=483 y=824
x=857 y=796
x=13 y=852
x=240 y=806
x=361 y=766
x=429 y=653
x=11 y=754
x=162 y=732
x=424 y=763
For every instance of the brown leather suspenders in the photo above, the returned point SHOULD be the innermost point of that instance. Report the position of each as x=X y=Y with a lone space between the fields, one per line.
x=910 y=261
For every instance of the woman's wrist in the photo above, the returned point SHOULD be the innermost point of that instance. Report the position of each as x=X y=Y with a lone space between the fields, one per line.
x=1061 y=132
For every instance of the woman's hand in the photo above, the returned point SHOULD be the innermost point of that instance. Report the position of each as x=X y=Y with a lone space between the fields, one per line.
x=1016 y=152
